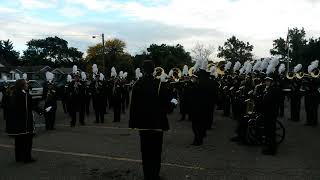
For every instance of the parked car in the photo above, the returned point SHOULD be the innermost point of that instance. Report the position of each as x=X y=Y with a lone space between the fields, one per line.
x=36 y=90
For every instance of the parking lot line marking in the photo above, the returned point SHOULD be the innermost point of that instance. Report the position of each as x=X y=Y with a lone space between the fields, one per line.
x=112 y=127
x=5 y=146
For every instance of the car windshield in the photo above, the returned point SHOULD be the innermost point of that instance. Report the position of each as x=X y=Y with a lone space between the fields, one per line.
x=34 y=84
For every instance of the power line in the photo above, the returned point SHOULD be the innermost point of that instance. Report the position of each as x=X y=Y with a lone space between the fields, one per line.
x=49 y=35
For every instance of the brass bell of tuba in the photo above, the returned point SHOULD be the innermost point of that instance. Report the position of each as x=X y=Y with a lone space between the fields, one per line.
x=315 y=73
x=158 y=71
x=291 y=75
x=176 y=74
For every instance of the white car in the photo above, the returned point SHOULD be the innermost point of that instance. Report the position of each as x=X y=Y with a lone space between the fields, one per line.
x=36 y=90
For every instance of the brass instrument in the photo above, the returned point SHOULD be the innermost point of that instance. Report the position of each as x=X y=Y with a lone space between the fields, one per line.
x=191 y=71
x=177 y=74
x=315 y=73
x=300 y=75
x=249 y=106
x=291 y=75
x=158 y=71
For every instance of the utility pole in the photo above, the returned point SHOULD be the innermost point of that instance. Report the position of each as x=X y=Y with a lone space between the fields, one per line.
x=103 y=49
x=288 y=55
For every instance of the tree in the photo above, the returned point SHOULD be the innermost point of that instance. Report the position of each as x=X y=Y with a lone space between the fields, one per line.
x=164 y=56
x=199 y=51
x=297 y=43
x=8 y=55
x=115 y=55
x=52 y=51
x=235 y=50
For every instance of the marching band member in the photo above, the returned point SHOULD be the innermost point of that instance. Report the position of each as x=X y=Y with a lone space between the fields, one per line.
x=77 y=104
x=98 y=96
x=87 y=92
x=19 y=122
x=148 y=112
x=295 y=96
x=50 y=102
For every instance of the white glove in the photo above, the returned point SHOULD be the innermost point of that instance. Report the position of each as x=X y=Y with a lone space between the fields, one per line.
x=48 y=108
x=174 y=101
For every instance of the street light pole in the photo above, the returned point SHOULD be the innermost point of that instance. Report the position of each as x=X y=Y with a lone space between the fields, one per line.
x=103 y=60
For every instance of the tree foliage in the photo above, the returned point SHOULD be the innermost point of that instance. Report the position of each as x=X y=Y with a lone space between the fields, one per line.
x=166 y=56
x=115 y=56
x=301 y=50
x=8 y=56
x=200 y=51
x=235 y=50
x=52 y=51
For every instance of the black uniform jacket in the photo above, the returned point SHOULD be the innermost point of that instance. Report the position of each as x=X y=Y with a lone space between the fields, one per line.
x=20 y=118
x=150 y=104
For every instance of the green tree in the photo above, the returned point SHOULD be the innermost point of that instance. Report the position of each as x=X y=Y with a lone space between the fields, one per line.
x=164 y=56
x=115 y=55
x=297 y=43
x=52 y=51
x=235 y=50
x=8 y=55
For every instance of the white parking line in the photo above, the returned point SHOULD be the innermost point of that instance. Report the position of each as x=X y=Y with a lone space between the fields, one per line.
x=5 y=146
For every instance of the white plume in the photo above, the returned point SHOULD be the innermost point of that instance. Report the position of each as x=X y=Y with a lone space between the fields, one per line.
x=228 y=66
x=185 y=70
x=138 y=73
x=297 y=68
x=170 y=73
x=125 y=75
x=236 y=66
x=213 y=71
x=313 y=65
x=264 y=64
x=101 y=77
x=74 y=69
x=241 y=70
x=197 y=65
x=163 y=77
x=248 y=68
x=272 y=65
x=17 y=76
x=113 y=72
x=282 y=68
x=83 y=76
x=257 y=65
x=24 y=76
x=49 y=76
x=95 y=69
x=5 y=78
x=121 y=74
x=69 y=78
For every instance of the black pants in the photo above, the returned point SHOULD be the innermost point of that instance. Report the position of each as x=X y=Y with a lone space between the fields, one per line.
x=211 y=117
x=117 y=112
x=123 y=106
x=88 y=99
x=74 y=117
x=281 y=106
x=50 y=119
x=312 y=112
x=64 y=106
x=23 y=147
x=270 y=132
x=226 y=107
x=99 y=115
x=151 y=149
x=199 y=127
x=295 y=108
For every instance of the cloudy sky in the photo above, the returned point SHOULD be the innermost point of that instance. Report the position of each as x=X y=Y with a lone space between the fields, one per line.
x=143 y=22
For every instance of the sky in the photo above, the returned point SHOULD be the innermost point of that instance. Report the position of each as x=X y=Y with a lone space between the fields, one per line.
x=143 y=22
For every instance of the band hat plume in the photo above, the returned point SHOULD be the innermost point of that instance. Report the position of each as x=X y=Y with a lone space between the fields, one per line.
x=74 y=69
x=95 y=69
x=314 y=65
x=185 y=70
x=49 y=76
x=236 y=66
x=83 y=76
x=227 y=66
x=297 y=68
x=5 y=78
x=257 y=65
x=249 y=68
x=138 y=73
x=24 y=76
x=69 y=78
x=101 y=77
x=121 y=74
x=282 y=68
x=113 y=72
x=17 y=76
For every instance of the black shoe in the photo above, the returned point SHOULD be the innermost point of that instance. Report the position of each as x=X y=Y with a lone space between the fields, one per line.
x=30 y=161
x=235 y=139
x=269 y=152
